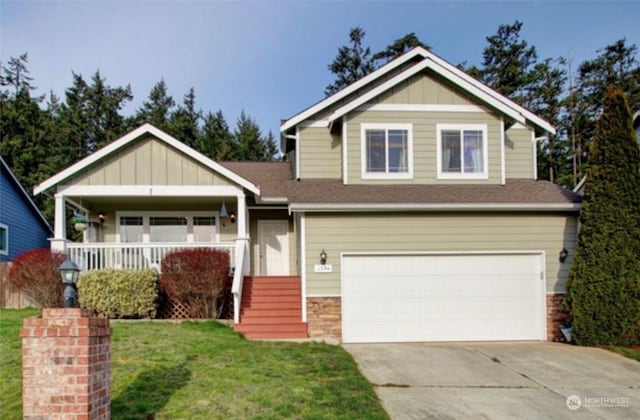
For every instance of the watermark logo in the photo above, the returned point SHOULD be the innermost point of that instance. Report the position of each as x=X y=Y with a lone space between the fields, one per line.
x=574 y=402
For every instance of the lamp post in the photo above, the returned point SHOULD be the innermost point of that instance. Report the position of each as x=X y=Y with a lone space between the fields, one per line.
x=69 y=272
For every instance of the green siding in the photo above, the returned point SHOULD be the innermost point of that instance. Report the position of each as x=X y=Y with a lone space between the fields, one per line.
x=338 y=233
x=148 y=162
x=518 y=153
x=320 y=153
x=423 y=89
x=424 y=144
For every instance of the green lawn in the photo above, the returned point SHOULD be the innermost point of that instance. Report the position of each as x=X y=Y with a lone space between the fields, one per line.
x=205 y=370
x=627 y=352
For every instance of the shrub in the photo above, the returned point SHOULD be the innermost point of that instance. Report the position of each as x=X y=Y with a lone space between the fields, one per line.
x=119 y=293
x=198 y=279
x=36 y=274
x=603 y=292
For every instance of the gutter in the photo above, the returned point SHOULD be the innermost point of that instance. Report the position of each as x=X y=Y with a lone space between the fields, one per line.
x=415 y=207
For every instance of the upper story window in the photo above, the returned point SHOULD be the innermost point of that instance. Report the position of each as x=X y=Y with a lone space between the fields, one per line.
x=462 y=151
x=4 y=239
x=387 y=151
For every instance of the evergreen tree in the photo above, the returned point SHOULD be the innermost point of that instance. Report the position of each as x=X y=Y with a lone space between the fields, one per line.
x=397 y=48
x=216 y=140
x=508 y=63
x=16 y=74
x=351 y=64
x=604 y=281
x=157 y=109
x=271 y=145
x=251 y=145
x=184 y=122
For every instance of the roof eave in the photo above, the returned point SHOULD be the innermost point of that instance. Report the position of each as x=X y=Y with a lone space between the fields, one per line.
x=422 y=207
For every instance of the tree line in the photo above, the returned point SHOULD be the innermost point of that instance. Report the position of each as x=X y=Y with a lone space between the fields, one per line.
x=571 y=101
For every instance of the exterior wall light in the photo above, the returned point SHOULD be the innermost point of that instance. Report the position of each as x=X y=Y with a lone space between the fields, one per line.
x=101 y=217
x=562 y=256
x=232 y=217
x=69 y=273
x=323 y=257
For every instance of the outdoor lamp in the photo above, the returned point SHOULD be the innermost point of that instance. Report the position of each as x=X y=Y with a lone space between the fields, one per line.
x=232 y=217
x=69 y=272
x=562 y=256
x=323 y=257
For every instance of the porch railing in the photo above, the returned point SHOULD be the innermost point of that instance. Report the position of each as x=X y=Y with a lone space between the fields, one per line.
x=96 y=256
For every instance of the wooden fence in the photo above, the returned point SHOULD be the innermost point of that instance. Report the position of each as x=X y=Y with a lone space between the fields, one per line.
x=10 y=297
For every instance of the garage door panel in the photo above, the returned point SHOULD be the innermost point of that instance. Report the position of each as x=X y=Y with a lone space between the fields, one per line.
x=442 y=298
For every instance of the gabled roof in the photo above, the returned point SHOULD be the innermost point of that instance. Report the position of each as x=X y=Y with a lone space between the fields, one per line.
x=132 y=136
x=427 y=60
x=27 y=197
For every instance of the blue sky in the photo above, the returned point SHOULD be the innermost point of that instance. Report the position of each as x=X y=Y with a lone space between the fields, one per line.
x=270 y=58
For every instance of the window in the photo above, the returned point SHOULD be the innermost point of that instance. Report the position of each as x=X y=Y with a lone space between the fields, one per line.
x=387 y=151
x=462 y=151
x=168 y=227
x=4 y=239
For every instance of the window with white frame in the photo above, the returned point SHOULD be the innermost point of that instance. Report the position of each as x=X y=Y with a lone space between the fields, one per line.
x=169 y=227
x=462 y=151
x=387 y=151
x=4 y=239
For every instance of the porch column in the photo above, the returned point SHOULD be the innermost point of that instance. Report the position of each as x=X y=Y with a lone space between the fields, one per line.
x=243 y=232
x=59 y=240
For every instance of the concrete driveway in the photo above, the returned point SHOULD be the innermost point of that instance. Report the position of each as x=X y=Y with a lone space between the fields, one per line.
x=500 y=380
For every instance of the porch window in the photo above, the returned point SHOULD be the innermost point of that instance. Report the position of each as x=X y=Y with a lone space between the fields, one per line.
x=168 y=229
x=131 y=229
x=204 y=229
x=386 y=151
x=462 y=151
x=4 y=239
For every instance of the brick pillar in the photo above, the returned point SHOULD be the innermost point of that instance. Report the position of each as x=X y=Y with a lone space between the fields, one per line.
x=66 y=365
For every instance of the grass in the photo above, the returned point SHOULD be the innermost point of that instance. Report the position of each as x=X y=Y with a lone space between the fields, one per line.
x=205 y=370
x=631 y=353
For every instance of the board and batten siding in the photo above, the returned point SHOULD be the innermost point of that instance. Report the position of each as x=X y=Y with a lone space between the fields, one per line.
x=518 y=152
x=358 y=232
x=423 y=88
x=425 y=170
x=320 y=153
x=148 y=162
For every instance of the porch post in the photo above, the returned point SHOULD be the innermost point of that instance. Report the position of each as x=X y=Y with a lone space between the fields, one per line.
x=243 y=231
x=59 y=240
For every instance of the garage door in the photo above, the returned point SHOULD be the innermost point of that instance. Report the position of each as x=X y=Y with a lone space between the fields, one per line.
x=470 y=297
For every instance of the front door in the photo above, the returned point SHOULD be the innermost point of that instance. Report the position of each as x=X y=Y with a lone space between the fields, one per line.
x=273 y=242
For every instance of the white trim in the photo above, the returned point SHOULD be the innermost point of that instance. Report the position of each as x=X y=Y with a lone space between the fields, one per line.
x=297 y=152
x=314 y=124
x=321 y=207
x=485 y=151
x=543 y=277
x=272 y=200
x=149 y=190
x=519 y=126
x=282 y=207
x=345 y=156
x=6 y=239
x=421 y=108
x=580 y=184
x=534 y=147
x=363 y=151
x=24 y=192
x=146 y=235
x=262 y=260
x=130 y=137
x=296 y=119
x=332 y=295
x=303 y=263
x=503 y=164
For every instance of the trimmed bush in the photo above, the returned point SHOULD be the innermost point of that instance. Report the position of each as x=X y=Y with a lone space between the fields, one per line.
x=36 y=274
x=198 y=279
x=119 y=293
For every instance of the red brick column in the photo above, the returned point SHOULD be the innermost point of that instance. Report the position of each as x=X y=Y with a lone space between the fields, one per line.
x=66 y=365
x=557 y=316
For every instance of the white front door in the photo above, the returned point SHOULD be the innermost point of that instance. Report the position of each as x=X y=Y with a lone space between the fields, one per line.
x=273 y=243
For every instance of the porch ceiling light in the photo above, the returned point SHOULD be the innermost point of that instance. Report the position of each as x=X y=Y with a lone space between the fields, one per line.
x=562 y=256
x=69 y=273
x=323 y=257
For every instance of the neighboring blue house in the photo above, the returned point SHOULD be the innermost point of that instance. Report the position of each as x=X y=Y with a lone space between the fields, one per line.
x=22 y=225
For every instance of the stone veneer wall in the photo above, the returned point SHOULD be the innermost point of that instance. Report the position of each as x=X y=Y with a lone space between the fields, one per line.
x=324 y=317
x=556 y=317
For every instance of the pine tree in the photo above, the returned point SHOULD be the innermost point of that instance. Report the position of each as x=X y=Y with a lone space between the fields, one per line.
x=216 y=140
x=251 y=144
x=604 y=281
x=397 y=48
x=158 y=108
x=184 y=122
x=351 y=64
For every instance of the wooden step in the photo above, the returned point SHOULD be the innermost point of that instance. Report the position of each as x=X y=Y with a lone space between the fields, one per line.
x=293 y=327
x=282 y=311
x=271 y=304
x=270 y=292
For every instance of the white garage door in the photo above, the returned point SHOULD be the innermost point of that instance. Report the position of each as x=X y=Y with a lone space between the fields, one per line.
x=470 y=297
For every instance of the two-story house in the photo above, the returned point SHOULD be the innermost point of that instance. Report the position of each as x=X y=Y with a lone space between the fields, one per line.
x=407 y=209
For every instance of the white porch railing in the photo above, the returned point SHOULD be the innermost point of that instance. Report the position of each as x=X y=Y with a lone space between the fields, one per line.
x=96 y=256
x=242 y=269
